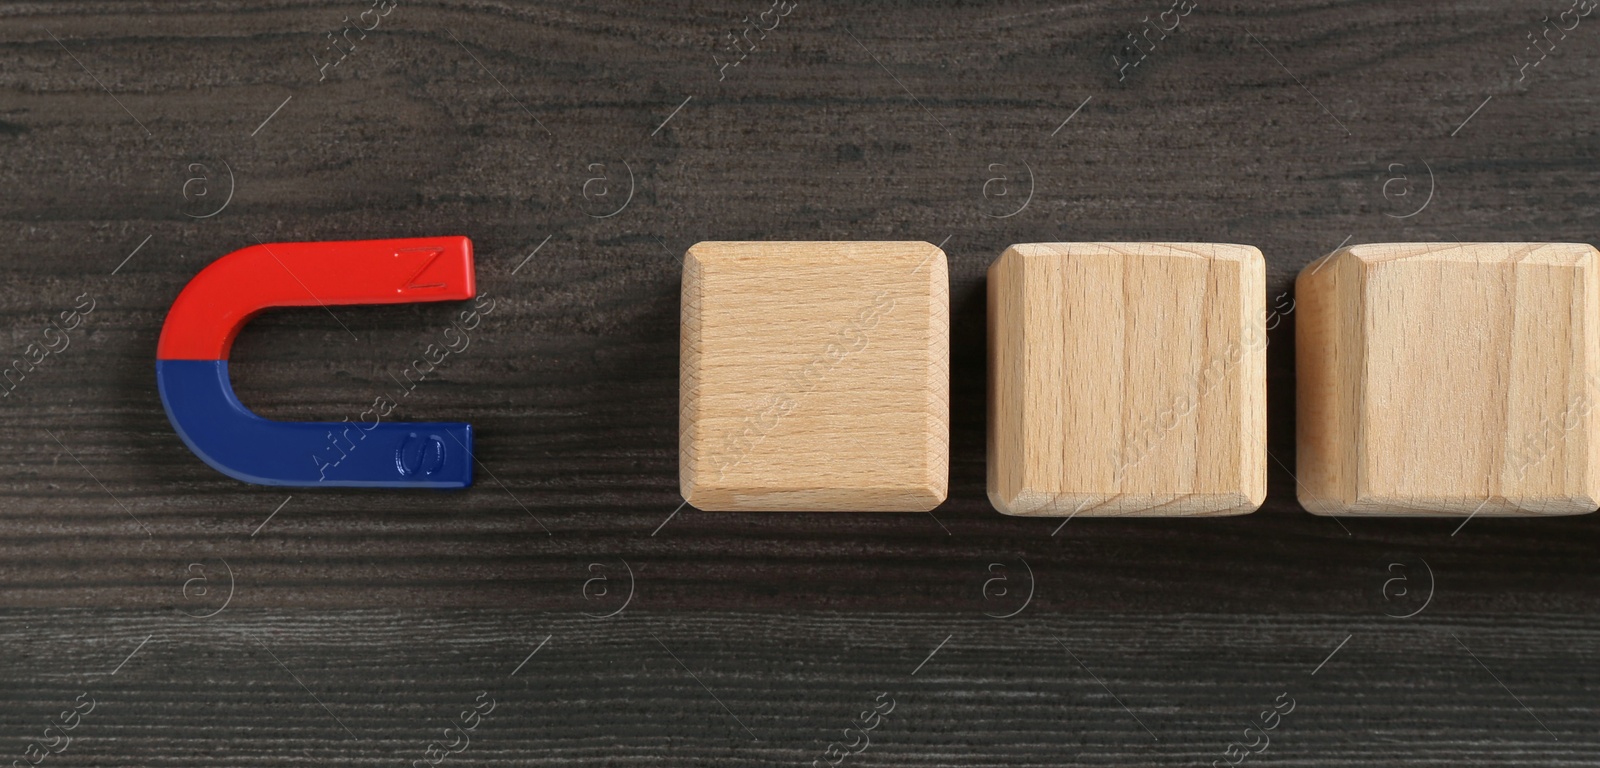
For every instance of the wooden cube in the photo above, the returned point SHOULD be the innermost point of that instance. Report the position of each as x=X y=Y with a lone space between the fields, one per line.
x=815 y=376
x=1127 y=379
x=1448 y=379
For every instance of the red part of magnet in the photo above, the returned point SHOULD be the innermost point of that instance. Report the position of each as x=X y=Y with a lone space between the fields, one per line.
x=209 y=312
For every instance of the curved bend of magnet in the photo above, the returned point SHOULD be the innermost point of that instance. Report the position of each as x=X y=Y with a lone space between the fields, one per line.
x=192 y=364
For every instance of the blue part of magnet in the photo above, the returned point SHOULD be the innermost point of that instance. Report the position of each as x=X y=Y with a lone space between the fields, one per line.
x=199 y=399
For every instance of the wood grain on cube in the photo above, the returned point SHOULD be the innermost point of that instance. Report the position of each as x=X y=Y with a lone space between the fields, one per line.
x=1448 y=379
x=815 y=376
x=1127 y=379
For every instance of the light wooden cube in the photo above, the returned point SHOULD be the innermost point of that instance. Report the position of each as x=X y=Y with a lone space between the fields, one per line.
x=815 y=376
x=1127 y=379
x=1448 y=379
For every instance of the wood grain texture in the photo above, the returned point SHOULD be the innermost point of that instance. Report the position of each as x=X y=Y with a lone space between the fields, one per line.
x=1273 y=124
x=1450 y=379
x=373 y=687
x=815 y=377
x=1127 y=379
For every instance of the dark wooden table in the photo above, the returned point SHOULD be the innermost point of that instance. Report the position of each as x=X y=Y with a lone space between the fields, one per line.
x=583 y=148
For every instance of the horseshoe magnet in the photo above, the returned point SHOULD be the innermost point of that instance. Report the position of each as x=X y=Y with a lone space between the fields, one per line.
x=192 y=364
